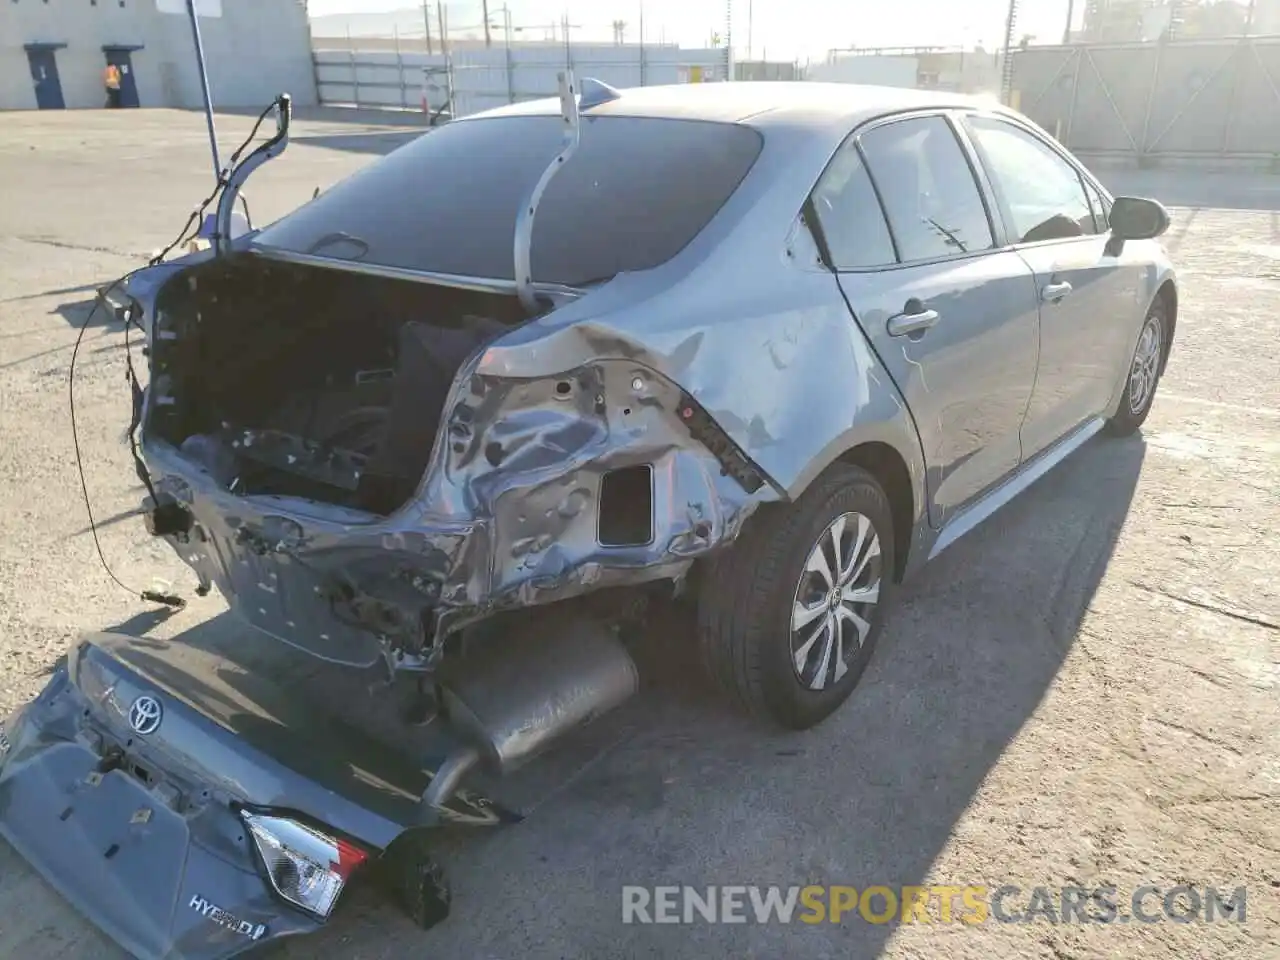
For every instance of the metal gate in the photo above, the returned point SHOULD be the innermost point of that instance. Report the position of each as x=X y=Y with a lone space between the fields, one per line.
x=1213 y=99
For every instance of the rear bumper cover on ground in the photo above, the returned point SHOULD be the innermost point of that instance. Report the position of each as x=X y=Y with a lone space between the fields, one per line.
x=155 y=886
x=149 y=845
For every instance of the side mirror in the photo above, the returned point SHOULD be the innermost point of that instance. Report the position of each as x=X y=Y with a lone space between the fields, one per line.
x=1137 y=218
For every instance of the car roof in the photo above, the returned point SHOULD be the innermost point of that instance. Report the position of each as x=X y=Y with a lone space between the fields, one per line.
x=826 y=107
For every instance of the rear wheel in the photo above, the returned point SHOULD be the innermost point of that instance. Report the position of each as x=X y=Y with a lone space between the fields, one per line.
x=789 y=617
x=1144 y=372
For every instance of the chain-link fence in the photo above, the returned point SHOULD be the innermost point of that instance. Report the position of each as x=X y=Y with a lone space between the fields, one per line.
x=461 y=82
x=469 y=55
x=1134 y=78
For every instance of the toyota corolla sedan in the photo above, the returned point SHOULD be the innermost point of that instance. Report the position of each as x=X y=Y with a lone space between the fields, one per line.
x=778 y=343
x=769 y=347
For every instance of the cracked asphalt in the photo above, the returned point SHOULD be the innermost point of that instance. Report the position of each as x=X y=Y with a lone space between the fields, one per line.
x=1086 y=691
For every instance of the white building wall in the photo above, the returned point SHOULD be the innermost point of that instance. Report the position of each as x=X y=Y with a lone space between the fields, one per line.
x=1155 y=21
x=254 y=50
x=876 y=69
x=1266 y=17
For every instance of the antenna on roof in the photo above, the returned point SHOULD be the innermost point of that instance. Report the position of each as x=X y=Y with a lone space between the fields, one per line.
x=596 y=92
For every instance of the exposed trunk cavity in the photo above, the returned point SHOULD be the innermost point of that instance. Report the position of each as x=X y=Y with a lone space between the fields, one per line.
x=312 y=382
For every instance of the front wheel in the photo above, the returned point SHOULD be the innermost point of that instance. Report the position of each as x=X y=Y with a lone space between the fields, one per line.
x=789 y=617
x=1144 y=372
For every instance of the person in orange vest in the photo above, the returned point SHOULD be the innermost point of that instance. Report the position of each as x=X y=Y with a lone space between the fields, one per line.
x=111 y=79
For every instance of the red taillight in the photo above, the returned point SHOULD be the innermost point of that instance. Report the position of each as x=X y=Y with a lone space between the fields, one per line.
x=305 y=866
x=349 y=857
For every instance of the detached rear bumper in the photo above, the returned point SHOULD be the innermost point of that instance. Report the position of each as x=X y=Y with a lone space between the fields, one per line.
x=142 y=832
x=156 y=885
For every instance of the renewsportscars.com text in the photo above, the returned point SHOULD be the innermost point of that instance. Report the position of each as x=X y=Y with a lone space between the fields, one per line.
x=933 y=904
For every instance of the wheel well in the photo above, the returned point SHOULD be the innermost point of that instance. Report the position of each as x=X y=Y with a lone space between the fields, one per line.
x=890 y=470
x=1169 y=294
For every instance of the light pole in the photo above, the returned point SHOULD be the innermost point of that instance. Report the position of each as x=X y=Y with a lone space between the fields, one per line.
x=728 y=40
x=204 y=87
x=1006 y=67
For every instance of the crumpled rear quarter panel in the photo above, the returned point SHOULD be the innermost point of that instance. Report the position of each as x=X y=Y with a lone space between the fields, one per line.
x=745 y=323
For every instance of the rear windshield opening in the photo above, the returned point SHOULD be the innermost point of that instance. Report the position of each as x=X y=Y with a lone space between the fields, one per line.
x=635 y=193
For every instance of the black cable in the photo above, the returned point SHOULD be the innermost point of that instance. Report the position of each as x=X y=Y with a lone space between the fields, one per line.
x=169 y=600
x=196 y=218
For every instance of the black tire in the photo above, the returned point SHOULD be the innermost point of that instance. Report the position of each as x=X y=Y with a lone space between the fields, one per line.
x=1131 y=416
x=748 y=594
x=417 y=882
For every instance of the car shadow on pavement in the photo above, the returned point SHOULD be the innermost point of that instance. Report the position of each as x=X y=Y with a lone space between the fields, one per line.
x=101 y=523
x=380 y=142
x=675 y=788
x=76 y=312
x=81 y=288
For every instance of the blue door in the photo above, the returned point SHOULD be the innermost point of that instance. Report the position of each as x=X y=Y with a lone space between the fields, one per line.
x=128 y=83
x=44 y=74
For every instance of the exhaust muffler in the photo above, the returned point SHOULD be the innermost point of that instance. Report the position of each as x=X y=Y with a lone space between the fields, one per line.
x=525 y=690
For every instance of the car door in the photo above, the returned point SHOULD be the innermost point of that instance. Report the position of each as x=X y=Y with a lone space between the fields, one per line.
x=1088 y=293
x=951 y=317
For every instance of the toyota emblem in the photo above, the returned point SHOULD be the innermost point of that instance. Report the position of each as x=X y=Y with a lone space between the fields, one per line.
x=145 y=715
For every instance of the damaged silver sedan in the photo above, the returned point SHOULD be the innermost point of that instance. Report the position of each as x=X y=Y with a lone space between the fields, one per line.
x=379 y=420
x=769 y=347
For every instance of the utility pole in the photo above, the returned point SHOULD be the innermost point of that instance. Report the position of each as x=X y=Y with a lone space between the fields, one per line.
x=728 y=40
x=749 y=5
x=1006 y=67
x=1066 y=30
x=426 y=23
x=642 y=64
x=508 y=63
x=484 y=7
x=204 y=88
x=444 y=30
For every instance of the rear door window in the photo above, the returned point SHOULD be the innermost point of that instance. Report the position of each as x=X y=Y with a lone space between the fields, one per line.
x=850 y=215
x=637 y=191
x=930 y=196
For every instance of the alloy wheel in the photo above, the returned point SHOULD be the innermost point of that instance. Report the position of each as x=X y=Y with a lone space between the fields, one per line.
x=835 y=600
x=1146 y=365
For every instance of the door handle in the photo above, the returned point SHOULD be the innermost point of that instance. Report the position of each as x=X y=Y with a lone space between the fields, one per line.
x=1053 y=292
x=905 y=324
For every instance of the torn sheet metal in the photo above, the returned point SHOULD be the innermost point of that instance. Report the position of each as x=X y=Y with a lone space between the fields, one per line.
x=735 y=386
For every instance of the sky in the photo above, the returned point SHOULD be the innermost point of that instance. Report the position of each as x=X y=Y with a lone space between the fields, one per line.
x=783 y=29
